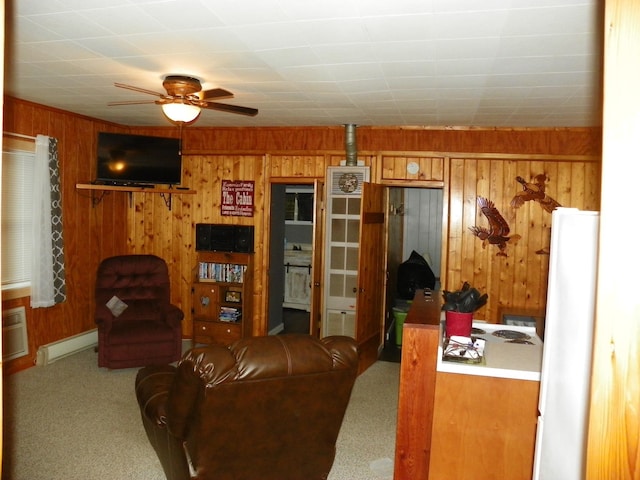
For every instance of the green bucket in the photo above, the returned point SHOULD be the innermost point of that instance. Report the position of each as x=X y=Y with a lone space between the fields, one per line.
x=399 y=317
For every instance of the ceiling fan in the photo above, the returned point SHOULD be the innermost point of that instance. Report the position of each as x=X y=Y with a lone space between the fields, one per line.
x=185 y=98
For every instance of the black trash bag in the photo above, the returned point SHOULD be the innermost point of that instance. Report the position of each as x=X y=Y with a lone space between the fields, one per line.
x=413 y=274
x=465 y=300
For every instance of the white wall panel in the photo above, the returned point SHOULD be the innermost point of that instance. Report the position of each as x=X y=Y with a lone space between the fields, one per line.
x=423 y=225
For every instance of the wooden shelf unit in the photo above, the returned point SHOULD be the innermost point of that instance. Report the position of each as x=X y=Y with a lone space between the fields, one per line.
x=223 y=281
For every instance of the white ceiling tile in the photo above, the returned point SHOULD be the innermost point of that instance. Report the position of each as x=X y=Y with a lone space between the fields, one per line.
x=70 y=24
x=471 y=94
x=306 y=73
x=218 y=39
x=289 y=57
x=333 y=32
x=368 y=85
x=68 y=50
x=36 y=7
x=346 y=53
x=472 y=24
x=548 y=44
x=320 y=88
x=122 y=20
x=28 y=31
x=154 y=44
x=551 y=20
x=113 y=47
x=190 y=15
x=271 y=36
x=234 y=13
x=255 y=75
x=81 y=5
x=400 y=28
x=327 y=9
x=385 y=7
x=466 y=66
x=346 y=72
x=420 y=50
x=576 y=63
x=466 y=48
x=410 y=69
x=523 y=65
x=34 y=52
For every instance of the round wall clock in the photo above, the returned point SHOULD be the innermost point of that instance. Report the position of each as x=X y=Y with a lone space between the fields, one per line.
x=413 y=168
x=348 y=182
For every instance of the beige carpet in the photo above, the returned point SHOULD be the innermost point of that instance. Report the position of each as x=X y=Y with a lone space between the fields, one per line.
x=73 y=421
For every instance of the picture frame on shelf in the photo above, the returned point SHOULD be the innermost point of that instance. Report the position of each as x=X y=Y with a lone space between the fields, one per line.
x=233 y=296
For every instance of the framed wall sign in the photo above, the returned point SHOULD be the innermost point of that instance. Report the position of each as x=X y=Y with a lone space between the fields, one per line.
x=237 y=198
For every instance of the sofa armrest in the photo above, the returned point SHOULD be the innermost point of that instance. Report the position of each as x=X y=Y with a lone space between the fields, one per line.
x=199 y=368
x=152 y=390
x=344 y=351
x=103 y=317
x=153 y=386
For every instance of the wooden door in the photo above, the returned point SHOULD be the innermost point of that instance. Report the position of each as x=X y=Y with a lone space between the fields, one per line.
x=315 y=319
x=371 y=274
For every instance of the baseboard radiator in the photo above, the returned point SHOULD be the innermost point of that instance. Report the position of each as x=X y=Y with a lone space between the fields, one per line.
x=51 y=352
x=15 y=343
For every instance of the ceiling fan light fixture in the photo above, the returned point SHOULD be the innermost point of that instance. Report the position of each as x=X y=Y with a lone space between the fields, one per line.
x=181 y=112
x=185 y=99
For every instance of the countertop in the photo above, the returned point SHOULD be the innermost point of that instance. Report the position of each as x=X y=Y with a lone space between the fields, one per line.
x=501 y=358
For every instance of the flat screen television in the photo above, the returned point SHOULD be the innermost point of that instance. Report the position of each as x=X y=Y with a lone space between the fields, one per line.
x=125 y=159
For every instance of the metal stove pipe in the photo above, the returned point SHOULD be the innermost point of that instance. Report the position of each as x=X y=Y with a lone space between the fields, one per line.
x=350 y=145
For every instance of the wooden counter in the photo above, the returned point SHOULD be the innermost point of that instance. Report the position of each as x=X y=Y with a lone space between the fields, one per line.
x=417 y=387
x=484 y=428
x=458 y=425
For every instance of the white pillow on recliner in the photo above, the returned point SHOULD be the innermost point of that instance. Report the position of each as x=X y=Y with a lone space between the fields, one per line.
x=116 y=306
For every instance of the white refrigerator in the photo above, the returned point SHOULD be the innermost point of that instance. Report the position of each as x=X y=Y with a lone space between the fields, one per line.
x=568 y=344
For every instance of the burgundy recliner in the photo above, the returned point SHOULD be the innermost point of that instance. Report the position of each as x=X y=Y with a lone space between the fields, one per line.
x=148 y=331
x=264 y=408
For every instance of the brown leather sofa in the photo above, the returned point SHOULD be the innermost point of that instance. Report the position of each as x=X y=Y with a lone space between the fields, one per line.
x=265 y=408
x=149 y=330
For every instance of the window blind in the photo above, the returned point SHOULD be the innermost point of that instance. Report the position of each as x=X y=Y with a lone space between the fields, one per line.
x=17 y=186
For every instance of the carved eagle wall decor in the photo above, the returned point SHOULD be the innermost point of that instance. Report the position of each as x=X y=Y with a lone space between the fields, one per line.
x=534 y=191
x=498 y=232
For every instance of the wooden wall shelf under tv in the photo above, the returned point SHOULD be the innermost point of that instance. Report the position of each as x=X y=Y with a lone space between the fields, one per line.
x=133 y=189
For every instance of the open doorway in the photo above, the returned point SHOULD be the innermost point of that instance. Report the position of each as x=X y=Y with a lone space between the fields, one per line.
x=422 y=222
x=415 y=224
x=291 y=258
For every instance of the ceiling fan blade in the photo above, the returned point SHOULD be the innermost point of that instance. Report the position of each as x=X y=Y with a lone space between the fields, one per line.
x=215 y=93
x=223 y=107
x=131 y=102
x=138 y=89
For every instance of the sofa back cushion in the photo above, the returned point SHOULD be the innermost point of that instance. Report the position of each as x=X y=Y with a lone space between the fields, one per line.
x=133 y=278
x=244 y=409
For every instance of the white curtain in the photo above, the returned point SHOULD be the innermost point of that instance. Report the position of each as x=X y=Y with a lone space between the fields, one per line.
x=47 y=272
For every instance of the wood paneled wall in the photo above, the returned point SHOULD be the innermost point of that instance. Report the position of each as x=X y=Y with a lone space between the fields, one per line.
x=143 y=223
x=170 y=233
x=518 y=280
x=529 y=141
x=90 y=233
x=296 y=166
x=394 y=169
